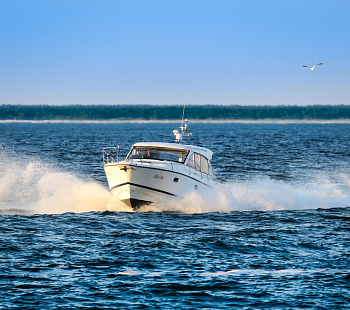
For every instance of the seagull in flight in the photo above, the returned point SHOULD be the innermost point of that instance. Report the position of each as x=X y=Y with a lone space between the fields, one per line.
x=313 y=67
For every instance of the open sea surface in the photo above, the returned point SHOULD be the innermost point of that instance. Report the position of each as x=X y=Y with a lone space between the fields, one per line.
x=275 y=236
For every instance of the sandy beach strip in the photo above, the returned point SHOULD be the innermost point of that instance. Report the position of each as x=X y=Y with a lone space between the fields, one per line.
x=138 y=121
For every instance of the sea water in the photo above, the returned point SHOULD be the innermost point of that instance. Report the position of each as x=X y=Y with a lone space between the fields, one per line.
x=276 y=235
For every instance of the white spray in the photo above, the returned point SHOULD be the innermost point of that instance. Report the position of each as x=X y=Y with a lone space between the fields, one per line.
x=30 y=186
x=262 y=194
x=33 y=187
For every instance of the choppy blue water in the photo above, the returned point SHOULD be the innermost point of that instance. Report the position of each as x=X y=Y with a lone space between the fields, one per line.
x=275 y=236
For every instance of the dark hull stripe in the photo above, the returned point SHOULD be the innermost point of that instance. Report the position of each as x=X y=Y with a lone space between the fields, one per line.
x=136 y=203
x=143 y=186
x=185 y=175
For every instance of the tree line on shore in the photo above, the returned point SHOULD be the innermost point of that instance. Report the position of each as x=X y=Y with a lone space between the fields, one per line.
x=174 y=112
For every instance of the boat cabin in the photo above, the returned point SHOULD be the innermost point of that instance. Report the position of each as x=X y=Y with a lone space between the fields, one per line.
x=192 y=156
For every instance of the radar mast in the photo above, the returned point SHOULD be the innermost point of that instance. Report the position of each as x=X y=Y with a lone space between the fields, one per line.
x=183 y=129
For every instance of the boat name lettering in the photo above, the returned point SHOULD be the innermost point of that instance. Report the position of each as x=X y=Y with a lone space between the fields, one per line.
x=160 y=177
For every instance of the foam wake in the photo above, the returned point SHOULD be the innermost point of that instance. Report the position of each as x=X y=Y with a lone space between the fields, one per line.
x=29 y=186
x=262 y=194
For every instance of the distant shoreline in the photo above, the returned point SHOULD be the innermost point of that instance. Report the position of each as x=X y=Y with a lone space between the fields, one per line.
x=204 y=114
x=137 y=121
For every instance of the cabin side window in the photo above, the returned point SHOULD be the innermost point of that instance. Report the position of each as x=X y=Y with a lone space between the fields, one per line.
x=191 y=162
x=204 y=165
x=198 y=162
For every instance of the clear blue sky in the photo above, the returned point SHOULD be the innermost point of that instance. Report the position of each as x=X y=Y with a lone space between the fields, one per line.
x=246 y=52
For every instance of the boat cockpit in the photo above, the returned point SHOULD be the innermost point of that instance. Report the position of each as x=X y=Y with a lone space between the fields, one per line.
x=191 y=159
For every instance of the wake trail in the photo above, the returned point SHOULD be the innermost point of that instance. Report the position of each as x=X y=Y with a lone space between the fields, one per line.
x=262 y=194
x=29 y=186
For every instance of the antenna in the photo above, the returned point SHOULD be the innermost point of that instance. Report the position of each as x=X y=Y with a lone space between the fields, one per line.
x=184 y=123
x=183 y=113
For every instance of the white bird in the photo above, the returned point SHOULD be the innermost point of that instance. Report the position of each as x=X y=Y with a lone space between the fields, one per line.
x=313 y=67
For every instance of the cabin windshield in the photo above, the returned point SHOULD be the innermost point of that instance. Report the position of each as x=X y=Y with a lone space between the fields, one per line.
x=155 y=153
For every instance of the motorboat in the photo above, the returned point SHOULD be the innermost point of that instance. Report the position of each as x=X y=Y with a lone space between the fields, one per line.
x=156 y=171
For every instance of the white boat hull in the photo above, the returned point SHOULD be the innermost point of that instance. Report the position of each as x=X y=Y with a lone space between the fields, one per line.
x=139 y=184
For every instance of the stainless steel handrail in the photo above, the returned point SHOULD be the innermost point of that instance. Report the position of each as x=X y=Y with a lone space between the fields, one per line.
x=110 y=155
x=196 y=167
